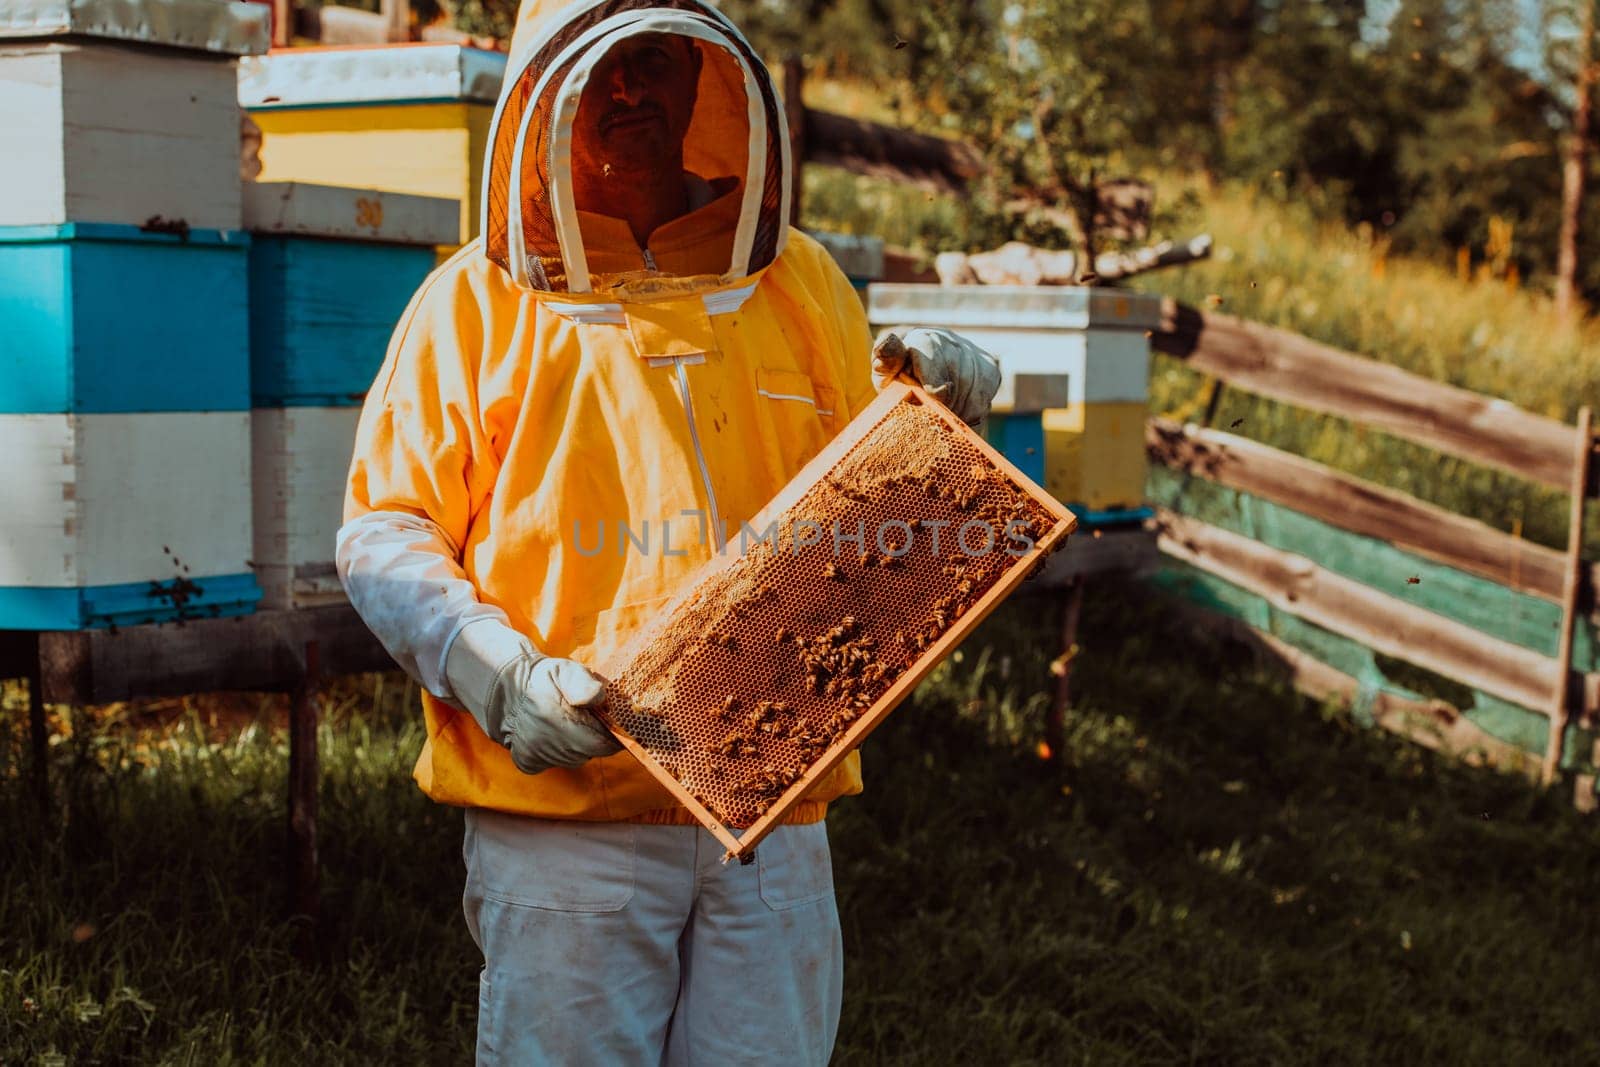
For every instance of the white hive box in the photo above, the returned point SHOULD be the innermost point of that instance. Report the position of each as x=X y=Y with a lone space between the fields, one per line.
x=332 y=270
x=1075 y=371
x=123 y=112
x=117 y=519
x=300 y=458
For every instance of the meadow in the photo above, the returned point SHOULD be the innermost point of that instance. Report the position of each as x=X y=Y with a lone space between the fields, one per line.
x=1223 y=873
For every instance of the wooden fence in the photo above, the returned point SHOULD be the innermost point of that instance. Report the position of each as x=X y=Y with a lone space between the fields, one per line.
x=1332 y=574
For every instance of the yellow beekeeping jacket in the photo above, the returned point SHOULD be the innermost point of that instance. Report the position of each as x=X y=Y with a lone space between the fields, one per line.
x=552 y=381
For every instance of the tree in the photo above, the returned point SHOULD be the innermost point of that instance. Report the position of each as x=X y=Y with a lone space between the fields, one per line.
x=1576 y=163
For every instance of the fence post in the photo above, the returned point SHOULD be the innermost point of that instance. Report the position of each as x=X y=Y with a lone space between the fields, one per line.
x=39 y=731
x=1561 y=704
x=1055 y=720
x=304 y=901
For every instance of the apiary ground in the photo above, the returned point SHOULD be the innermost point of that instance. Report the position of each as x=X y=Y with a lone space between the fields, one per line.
x=758 y=673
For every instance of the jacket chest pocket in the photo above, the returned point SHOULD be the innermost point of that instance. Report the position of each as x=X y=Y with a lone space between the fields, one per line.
x=804 y=414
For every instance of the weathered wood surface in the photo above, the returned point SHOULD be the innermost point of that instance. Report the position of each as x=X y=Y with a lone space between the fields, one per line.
x=1433 y=724
x=264 y=651
x=878 y=151
x=1521 y=618
x=1299 y=586
x=99 y=132
x=1560 y=703
x=1360 y=507
x=1285 y=366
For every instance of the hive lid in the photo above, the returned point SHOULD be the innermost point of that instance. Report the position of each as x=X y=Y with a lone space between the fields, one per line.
x=298 y=208
x=225 y=28
x=785 y=650
x=1018 y=307
x=383 y=74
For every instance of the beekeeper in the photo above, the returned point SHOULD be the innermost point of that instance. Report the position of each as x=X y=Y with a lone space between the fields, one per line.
x=637 y=336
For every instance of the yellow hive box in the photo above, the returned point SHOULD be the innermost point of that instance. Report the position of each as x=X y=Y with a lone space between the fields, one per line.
x=403 y=118
x=1094 y=454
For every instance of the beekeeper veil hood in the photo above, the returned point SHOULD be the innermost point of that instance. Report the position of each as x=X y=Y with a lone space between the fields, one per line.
x=737 y=141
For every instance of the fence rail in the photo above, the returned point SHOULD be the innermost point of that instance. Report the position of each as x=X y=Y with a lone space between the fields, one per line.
x=1331 y=573
x=1283 y=365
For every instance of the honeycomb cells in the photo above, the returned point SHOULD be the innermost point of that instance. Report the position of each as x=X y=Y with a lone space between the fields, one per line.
x=758 y=675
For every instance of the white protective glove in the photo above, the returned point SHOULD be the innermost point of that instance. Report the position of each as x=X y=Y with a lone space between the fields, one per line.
x=533 y=704
x=962 y=375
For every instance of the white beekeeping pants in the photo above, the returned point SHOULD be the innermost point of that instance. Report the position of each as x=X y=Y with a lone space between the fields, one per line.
x=615 y=943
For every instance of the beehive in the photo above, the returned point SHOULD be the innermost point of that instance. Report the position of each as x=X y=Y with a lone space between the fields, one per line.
x=115 y=519
x=123 y=112
x=860 y=257
x=1088 y=443
x=787 y=648
x=331 y=273
x=102 y=317
x=403 y=118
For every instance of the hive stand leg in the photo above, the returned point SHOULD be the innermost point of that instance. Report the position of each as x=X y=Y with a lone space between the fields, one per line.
x=39 y=733
x=1055 y=722
x=304 y=903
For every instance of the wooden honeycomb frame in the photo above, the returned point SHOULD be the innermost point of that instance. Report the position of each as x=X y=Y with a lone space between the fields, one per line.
x=707 y=631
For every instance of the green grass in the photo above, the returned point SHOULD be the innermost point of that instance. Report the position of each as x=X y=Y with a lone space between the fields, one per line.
x=1228 y=875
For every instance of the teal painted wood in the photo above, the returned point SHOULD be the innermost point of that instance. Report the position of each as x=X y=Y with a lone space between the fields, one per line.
x=321 y=315
x=127 y=604
x=1019 y=438
x=1519 y=726
x=106 y=318
x=1525 y=620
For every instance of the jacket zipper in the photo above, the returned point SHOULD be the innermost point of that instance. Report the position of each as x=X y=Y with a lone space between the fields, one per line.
x=714 y=540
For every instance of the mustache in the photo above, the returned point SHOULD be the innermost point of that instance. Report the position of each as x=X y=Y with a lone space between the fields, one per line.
x=648 y=108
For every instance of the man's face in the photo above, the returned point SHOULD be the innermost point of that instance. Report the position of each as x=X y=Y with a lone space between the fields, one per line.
x=635 y=110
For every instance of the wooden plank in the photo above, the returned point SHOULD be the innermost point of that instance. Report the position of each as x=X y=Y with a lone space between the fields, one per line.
x=878 y=151
x=250 y=652
x=1434 y=724
x=300 y=209
x=1286 y=366
x=38 y=481
x=1359 y=506
x=1296 y=585
x=1560 y=702
x=162 y=495
x=1480 y=603
x=1517 y=726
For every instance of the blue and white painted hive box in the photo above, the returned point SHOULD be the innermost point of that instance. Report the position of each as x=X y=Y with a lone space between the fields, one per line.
x=116 y=519
x=123 y=112
x=107 y=318
x=331 y=271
